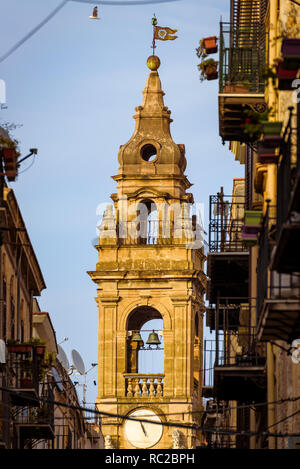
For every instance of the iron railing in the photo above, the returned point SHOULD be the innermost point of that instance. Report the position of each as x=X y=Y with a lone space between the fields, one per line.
x=226 y=219
x=23 y=371
x=242 y=57
x=41 y=415
x=240 y=348
x=209 y=359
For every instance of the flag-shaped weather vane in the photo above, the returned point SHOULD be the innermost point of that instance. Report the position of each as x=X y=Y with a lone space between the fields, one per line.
x=163 y=33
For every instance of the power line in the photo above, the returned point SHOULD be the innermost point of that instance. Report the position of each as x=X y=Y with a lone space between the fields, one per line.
x=61 y=5
x=166 y=424
x=285 y=418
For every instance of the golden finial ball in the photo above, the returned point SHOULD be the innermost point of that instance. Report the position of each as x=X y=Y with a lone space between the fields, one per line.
x=153 y=62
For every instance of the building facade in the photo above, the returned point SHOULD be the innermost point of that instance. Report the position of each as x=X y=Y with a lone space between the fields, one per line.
x=258 y=307
x=39 y=406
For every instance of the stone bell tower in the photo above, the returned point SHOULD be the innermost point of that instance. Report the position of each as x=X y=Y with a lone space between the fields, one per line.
x=150 y=266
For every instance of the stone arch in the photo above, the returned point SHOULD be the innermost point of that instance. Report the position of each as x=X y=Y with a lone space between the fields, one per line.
x=165 y=314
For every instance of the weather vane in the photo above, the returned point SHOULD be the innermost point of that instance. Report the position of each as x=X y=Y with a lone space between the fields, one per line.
x=161 y=33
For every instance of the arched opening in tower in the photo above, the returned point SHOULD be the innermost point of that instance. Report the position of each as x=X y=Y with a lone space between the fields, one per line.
x=148 y=221
x=145 y=345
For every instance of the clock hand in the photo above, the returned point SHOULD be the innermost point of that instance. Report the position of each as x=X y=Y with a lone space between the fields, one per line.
x=143 y=428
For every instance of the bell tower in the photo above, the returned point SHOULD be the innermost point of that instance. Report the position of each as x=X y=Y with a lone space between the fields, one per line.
x=150 y=268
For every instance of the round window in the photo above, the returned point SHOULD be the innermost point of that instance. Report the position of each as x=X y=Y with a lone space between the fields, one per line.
x=148 y=152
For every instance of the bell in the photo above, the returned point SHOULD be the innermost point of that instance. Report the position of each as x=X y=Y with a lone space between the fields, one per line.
x=153 y=339
x=136 y=337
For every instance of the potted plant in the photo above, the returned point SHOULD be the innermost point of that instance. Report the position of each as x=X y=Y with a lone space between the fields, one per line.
x=208 y=69
x=238 y=88
x=10 y=154
x=15 y=346
x=200 y=51
x=252 y=125
x=210 y=44
x=39 y=345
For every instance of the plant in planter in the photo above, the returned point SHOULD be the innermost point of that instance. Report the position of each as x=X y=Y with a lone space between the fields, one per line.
x=239 y=88
x=10 y=154
x=208 y=69
x=49 y=359
x=210 y=44
x=200 y=51
x=38 y=344
x=252 y=125
x=16 y=347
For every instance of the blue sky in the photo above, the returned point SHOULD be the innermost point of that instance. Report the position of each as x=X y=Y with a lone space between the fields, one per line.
x=73 y=87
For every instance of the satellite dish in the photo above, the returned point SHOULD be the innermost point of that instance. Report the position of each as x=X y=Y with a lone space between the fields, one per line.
x=57 y=379
x=78 y=362
x=62 y=357
x=2 y=351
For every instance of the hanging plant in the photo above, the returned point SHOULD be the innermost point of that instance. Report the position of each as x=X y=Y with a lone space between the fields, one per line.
x=9 y=143
x=208 y=69
x=200 y=51
x=210 y=44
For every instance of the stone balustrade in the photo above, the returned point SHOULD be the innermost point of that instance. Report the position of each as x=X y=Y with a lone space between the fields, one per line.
x=144 y=385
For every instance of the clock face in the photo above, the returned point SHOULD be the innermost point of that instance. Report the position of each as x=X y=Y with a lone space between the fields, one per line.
x=143 y=434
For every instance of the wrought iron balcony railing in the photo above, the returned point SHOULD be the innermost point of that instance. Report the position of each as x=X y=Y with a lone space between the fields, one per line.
x=242 y=58
x=23 y=374
x=226 y=219
x=210 y=352
x=240 y=349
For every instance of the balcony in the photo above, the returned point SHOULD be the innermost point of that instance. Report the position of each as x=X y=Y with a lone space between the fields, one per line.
x=286 y=255
x=222 y=317
x=241 y=83
x=279 y=317
x=36 y=423
x=209 y=359
x=278 y=294
x=239 y=371
x=228 y=258
x=22 y=374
